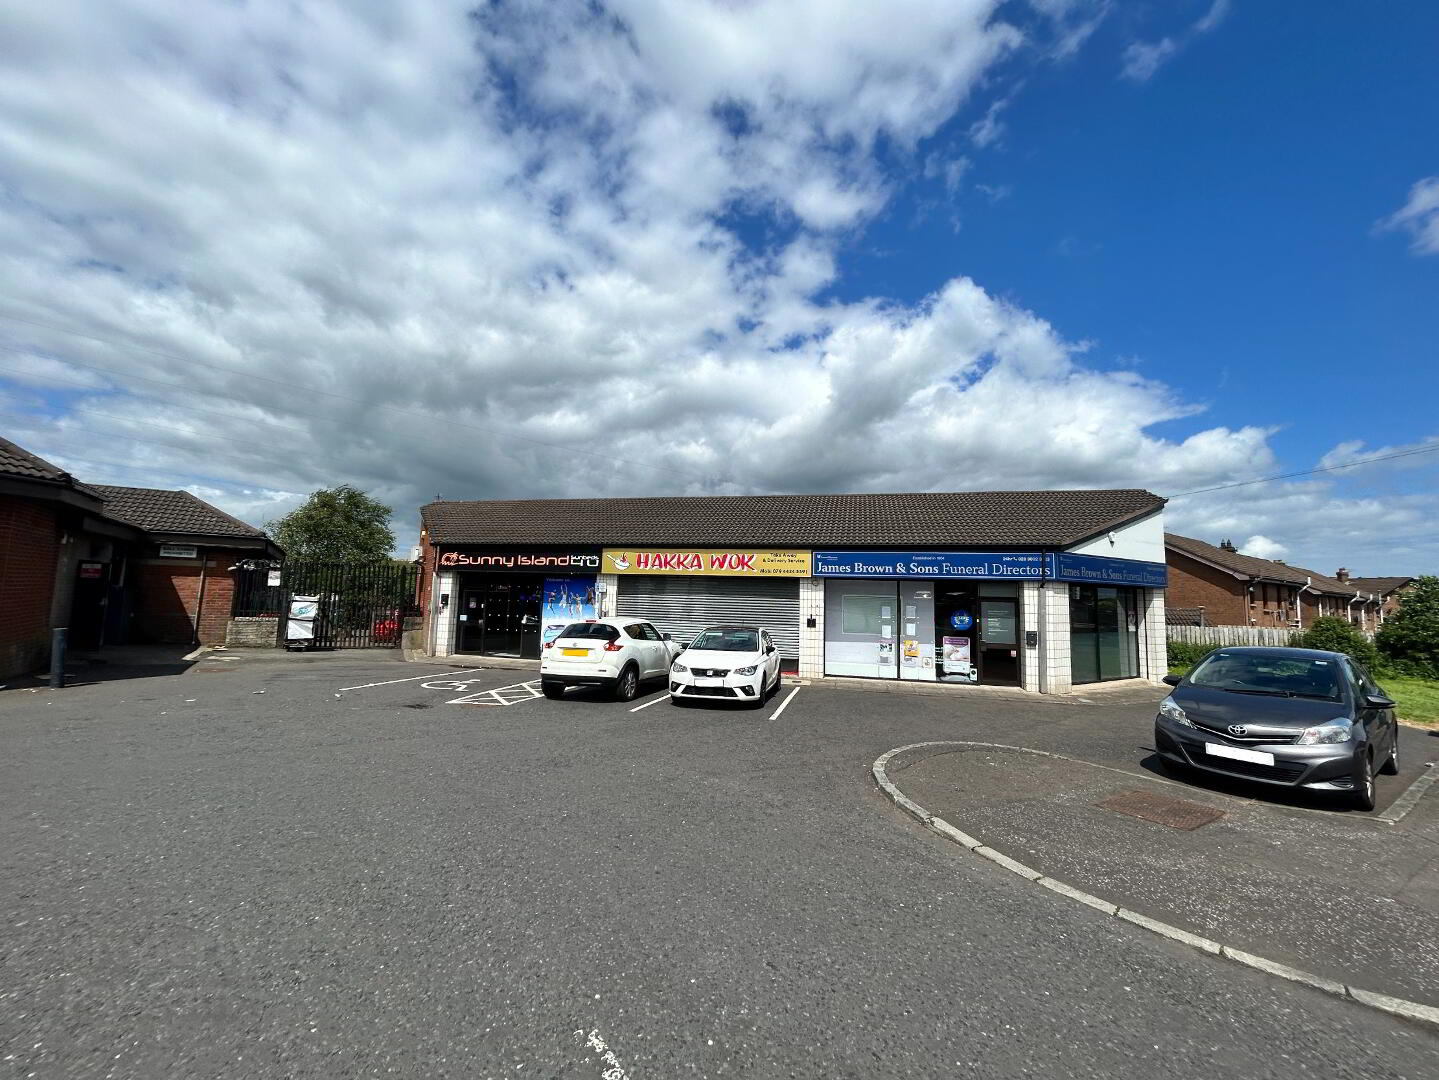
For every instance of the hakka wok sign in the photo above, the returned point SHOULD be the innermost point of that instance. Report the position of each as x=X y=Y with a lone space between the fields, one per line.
x=726 y=562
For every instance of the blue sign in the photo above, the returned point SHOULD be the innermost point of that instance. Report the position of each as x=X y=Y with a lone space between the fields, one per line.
x=930 y=564
x=1099 y=570
x=961 y=620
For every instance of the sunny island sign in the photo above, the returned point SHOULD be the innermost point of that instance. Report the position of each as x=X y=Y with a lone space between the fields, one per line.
x=707 y=562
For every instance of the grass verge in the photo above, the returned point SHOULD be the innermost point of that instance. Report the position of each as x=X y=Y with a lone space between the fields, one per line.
x=1418 y=699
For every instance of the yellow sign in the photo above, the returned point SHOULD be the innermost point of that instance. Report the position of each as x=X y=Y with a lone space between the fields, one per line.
x=706 y=562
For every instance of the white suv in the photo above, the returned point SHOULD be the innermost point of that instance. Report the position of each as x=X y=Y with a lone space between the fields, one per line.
x=615 y=653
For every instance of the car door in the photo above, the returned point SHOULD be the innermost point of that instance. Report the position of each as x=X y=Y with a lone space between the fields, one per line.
x=1386 y=718
x=1372 y=719
x=668 y=649
x=771 y=657
x=641 y=648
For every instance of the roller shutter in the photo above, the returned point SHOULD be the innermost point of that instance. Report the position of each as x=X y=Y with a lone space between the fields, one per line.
x=683 y=606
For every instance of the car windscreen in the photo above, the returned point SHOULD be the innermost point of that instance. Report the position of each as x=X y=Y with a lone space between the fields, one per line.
x=1255 y=673
x=735 y=639
x=601 y=631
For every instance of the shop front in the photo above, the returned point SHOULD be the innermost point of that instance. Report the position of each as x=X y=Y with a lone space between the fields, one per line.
x=509 y=602
x=927 y=616
x=1107 y=602
x=685 y=590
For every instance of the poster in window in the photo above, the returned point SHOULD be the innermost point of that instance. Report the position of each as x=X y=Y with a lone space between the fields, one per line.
x=566 y=600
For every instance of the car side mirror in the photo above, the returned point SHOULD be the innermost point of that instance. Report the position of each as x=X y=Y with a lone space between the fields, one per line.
x=666 y=637
x=1172 y=680
x=1378 y=701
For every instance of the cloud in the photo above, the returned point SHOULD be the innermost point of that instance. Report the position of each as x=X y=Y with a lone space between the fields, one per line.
x=1261 y=547
x=1141 y=59
x=1419 y=217
x=534 y=249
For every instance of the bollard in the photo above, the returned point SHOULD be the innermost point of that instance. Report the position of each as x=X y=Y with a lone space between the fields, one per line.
x=57 y=656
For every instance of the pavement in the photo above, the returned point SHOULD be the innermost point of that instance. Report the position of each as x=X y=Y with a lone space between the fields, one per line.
x=1345 y=897
x=349 y=866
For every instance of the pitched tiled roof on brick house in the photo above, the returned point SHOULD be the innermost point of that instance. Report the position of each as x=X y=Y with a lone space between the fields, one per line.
x=17 y=461
x=1256 y=569
x=157 y=510
x=923 y=519
x=1380 y=586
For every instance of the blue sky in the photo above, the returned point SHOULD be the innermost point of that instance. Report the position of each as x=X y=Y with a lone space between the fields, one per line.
x=543 y=248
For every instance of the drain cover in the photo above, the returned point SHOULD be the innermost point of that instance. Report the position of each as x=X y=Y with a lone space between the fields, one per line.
x=1162 y=809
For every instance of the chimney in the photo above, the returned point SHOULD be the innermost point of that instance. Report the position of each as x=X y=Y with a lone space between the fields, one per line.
x=1342 y=573
x=1228 y=545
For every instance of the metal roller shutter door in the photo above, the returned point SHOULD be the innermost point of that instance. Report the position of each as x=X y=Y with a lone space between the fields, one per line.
x=683 y=606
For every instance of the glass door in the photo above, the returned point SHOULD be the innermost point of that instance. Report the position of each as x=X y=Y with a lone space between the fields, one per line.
x=955 y=632
x=999 y=641
x=1103 y=633
x=501 y=620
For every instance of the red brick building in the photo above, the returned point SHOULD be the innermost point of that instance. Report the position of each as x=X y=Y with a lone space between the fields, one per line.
x=113 y=565
x=1389 y=590
x=1215 y=585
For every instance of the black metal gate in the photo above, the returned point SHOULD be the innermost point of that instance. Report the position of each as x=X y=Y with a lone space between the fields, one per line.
x=362 y=605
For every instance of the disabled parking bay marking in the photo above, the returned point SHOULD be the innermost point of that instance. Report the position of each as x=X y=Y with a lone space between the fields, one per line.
x=516 y=694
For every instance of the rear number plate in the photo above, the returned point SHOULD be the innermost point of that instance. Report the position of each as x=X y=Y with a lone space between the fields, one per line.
x=1255 y=756
x=576 y=652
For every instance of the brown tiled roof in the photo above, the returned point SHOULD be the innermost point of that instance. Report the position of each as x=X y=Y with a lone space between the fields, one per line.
x=17 y=461
x=1260 y=569
x=1379 y=586
x=158 y=510
x=925 y=519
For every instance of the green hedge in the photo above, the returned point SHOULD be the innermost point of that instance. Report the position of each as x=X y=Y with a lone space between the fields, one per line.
x=1188 y=653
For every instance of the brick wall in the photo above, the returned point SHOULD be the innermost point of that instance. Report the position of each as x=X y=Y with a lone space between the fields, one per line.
x=164 y=595
x=29 y=549
x=1192 y=584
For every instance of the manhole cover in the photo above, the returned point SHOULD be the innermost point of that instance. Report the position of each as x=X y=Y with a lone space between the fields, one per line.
x=1162 y=810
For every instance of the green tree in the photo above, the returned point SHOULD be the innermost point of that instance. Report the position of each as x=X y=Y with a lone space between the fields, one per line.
x=340 y=524
x=1334 y=634
x=1409 y=639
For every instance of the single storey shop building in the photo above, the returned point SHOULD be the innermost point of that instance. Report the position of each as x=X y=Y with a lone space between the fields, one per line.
x=1036 y=589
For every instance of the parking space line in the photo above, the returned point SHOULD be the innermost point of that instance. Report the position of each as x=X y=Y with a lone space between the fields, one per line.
x=784 y=704
x=653 y=701
x=412 y=678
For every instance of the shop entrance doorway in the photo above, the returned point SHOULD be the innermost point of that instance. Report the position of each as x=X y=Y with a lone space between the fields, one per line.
x=500 y=616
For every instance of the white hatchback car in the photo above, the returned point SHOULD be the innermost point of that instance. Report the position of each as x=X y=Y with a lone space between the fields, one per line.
x=726 y=663
x=617 y=654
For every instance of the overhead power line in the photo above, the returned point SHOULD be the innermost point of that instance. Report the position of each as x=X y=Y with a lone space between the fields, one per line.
x=1310 y=472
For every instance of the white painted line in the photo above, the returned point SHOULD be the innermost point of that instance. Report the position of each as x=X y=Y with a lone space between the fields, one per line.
x=784 y=704
x=1409 y=799
x=1412 y=1010
x=514 y=694
x=201 y=651
x=653 y=701
x=413 y=678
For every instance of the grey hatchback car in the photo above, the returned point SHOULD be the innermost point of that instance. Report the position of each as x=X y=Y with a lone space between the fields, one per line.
x=1300 y=718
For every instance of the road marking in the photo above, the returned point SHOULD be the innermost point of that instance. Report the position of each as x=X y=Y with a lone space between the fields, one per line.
x=413 y=678
x=1409 y=799
x=503 y=695
x=784 y=704
x=653 y=701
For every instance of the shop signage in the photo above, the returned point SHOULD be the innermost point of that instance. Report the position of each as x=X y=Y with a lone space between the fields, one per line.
x=91 y=571
x=707 y=562
x=930 y=564
x=179 y=551
x=577 y=559
x=1100 y=570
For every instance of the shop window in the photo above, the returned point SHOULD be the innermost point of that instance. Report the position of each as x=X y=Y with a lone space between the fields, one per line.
x=862 y=614
x=1104 y=633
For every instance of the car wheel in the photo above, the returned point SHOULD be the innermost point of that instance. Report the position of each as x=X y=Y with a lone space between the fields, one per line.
x=761 y=697
x=1364 y=784
x=1391 y=766
x=552 y=689
x=627 y=685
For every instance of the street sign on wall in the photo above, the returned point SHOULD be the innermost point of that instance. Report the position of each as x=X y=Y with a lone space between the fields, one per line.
x=707 y=562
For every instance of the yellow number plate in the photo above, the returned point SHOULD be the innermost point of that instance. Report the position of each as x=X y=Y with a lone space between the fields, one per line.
x=576 y=652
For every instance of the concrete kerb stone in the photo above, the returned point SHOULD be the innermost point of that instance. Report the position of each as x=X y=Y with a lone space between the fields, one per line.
x=1410 y=1010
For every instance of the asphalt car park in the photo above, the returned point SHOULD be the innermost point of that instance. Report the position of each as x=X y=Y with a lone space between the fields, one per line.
x=313 y=866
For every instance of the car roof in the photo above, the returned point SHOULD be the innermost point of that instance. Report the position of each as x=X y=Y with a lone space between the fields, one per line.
x=731 y=626
x=1280 y=653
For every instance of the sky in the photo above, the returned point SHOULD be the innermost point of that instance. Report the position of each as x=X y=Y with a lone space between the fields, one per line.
x=538 y=249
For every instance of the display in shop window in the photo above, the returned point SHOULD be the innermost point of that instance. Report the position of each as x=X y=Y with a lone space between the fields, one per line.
x=566 y=600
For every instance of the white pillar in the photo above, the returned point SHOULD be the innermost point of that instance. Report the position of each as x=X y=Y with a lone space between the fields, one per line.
x=811 y=638
x=443 y=637
x=1029 y=620
x=607 y=586
x=1055 y=674
x=1153 y=636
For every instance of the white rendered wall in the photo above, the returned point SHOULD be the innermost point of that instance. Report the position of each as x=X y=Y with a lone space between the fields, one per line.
x=1143 y=539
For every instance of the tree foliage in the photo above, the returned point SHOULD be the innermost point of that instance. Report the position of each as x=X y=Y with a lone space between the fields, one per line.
x=340 y=524
x=1334 y=634
x=1409 y=639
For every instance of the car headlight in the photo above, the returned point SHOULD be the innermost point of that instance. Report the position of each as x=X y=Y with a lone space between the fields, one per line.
x=1170 y=708
x=1338 y=730
x=679 y=667
x=746 y=670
